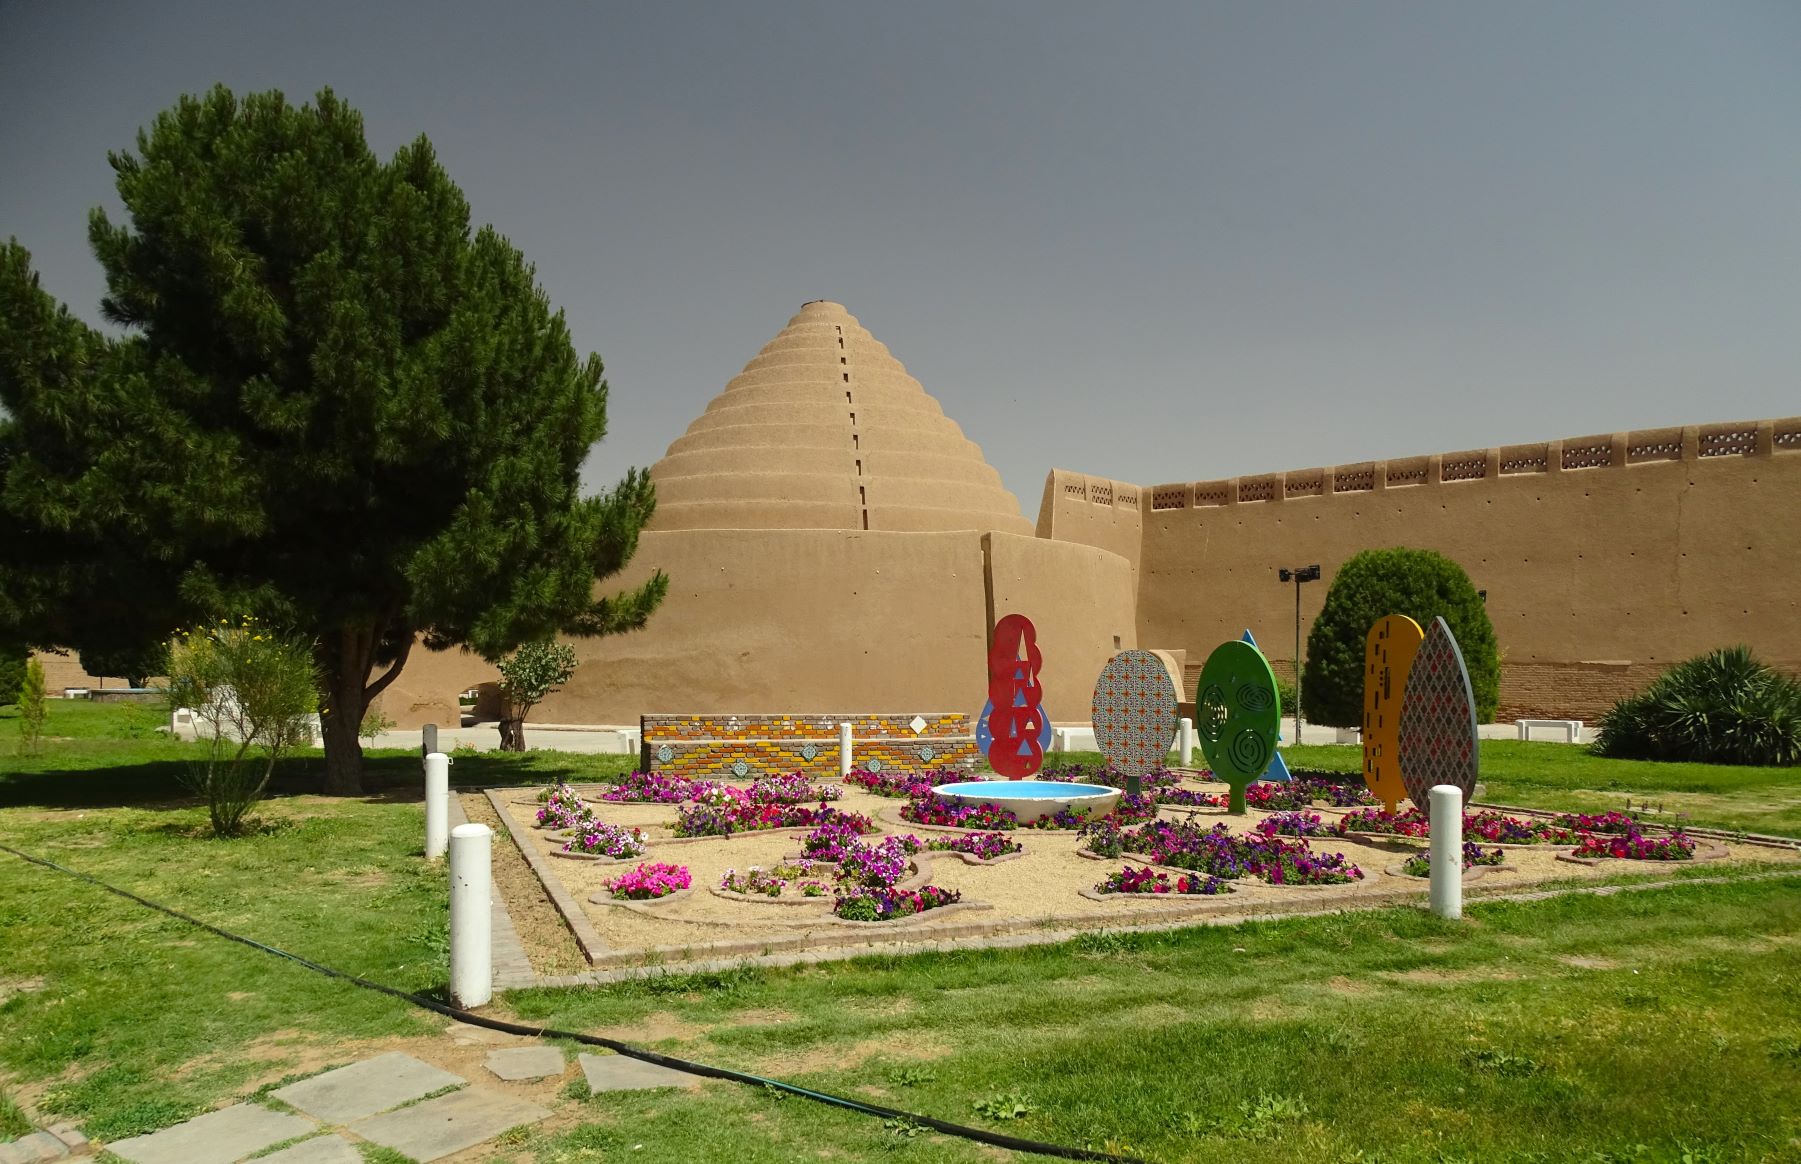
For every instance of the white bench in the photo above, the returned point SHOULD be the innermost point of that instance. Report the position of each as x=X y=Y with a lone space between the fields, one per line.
x=1571 y=728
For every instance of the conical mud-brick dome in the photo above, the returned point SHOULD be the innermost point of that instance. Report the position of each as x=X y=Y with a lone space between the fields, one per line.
x=825 y=430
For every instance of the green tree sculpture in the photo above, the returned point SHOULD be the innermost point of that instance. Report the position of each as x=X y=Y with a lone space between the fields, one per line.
x=335 y=405
x=1421 y=584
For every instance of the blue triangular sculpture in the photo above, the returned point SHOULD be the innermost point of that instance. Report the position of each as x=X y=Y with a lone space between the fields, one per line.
x=1277 y=772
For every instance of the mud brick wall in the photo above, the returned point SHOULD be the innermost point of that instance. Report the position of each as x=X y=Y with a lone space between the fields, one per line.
x=744 y=747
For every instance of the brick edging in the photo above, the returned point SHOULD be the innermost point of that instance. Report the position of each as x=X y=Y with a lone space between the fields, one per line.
x=586 y=936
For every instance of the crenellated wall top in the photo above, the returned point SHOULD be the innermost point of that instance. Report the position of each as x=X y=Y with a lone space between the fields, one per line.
x=1751 y=438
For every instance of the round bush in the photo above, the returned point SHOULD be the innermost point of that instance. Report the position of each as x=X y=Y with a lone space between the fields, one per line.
x=1723 y=707
x=1420 y=584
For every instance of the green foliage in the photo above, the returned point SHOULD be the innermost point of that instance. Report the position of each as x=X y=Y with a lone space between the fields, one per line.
x=335 y=403
x=135 y=664
x=534 y=671
x=12 y=675
x=1421 y=584
x=1723 y=707
x=526 y=677
x=251 y=691
x=375 y=722
x=31 y=707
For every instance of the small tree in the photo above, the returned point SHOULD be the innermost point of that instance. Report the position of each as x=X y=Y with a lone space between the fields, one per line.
x=1420 y=584
x=12 y=674
x=251 y=691
x=526 y=677
x=31 y=707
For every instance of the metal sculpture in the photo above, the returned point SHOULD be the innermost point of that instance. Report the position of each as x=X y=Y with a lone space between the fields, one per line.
x=1388 y=655
x=1438 y=719
x=1134 y=713
x=1014 y=731
x=1277 y=772
x=1237 y=715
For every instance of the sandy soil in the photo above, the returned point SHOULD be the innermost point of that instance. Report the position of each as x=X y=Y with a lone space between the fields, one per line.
x=1044 y=883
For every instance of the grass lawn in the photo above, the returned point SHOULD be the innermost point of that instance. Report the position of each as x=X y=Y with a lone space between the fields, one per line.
x=1662 y=1025
x=1561 y=777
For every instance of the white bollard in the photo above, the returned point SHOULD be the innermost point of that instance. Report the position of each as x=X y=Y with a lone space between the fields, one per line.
x=471 y=917
x=1447 y=850
x=844 y=749
x=1185 y=742
x=437 y=804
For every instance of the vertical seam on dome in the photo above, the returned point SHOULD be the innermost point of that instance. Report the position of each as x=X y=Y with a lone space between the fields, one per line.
x=855 y=443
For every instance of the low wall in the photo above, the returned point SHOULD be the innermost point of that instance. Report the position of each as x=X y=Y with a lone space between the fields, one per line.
x=726 y=747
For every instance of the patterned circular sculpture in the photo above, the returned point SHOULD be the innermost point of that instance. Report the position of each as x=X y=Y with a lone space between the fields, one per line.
x=1438 y=719
x=1387 y=659
x=1237 y=715
x=1134 y=712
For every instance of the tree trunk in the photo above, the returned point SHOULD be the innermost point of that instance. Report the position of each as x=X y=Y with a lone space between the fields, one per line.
x=341 y=720
x=345 y=661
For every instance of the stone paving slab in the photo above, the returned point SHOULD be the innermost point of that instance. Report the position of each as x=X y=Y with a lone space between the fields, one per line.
x=436 y=1128
x=36 y=1148
x=219 y=1137
x=623 y=1073
x=517 y=1064
x=362 y=1089
x=318 y=1150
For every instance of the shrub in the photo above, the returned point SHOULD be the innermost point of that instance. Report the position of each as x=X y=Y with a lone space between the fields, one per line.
x=31 y=706
x=12 y=675
x=526 y=676
x=252 y=691
x=1723 y=707
x=1418 y=583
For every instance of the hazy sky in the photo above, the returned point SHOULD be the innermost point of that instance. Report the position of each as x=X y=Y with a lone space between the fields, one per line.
x=1158 y=242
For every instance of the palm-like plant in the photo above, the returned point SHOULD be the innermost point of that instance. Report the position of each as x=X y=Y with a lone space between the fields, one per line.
x=1724 y=707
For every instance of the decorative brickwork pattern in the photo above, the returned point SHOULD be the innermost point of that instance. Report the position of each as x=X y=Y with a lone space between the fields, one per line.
x=1463 y=468
x=745 y=747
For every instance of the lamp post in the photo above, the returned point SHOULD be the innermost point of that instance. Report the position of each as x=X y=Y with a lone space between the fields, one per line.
x=1298 y=575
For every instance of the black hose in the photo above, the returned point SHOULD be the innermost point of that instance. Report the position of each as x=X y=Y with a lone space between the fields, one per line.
x=1013 y=1143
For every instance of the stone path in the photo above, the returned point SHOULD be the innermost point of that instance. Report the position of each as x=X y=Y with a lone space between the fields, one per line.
x=394 y=1100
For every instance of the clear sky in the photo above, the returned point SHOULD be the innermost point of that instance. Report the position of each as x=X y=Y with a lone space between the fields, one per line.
x=1157 y=242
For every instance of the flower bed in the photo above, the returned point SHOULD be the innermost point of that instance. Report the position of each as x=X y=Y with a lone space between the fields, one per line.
x=1268 y=797
x=877 y=866
x=790 y=879
x=598 y=839
x=982 y=846
x=564 y=808
x=649 y=882
x=902 y=785
x=1189 y=798
x=1218 y=852
x=1420 y=864
x=1487 y=826
x=1297 y=824
x=744 y=816
x=883 y=904
x=1675 y=846
x=651 y=788
x=932 y=809
x=1138 y=880
x=793 y=788
x=1605 y=822
x=1152 y=781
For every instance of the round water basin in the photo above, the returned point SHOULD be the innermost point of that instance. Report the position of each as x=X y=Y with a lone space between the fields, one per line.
x=1031 y=800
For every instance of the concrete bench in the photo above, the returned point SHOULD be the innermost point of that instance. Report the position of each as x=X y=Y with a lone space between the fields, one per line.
x=1073 y=739
x=1571 y=728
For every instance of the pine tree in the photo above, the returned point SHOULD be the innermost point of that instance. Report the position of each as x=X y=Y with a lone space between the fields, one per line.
x=335 y=404
x=1421 y=584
